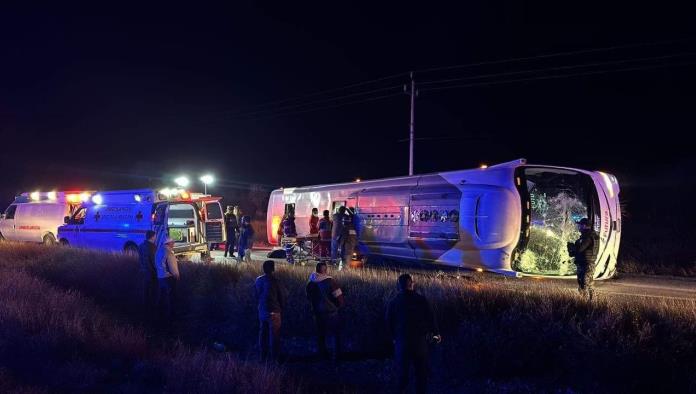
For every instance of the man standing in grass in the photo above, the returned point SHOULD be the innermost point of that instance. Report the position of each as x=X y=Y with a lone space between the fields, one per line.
x=168 y=276
x=231 y=230
x=271 y=301
x=585 y=252
x=148 y=272
x=326 y=299
x=412 y=325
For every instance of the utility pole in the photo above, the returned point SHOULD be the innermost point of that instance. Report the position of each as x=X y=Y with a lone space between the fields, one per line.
x=412 y=125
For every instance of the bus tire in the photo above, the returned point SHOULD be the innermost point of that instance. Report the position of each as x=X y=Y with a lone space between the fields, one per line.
x=130 y=249
x=49 y=240
x=64 y=243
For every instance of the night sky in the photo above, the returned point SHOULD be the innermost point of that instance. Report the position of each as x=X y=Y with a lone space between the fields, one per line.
x=121 y=96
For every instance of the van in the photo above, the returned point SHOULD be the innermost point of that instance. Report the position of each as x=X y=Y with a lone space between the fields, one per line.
x=35 y=217
x=118 y=220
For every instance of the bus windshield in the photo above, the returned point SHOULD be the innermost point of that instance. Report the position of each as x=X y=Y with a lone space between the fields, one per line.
x=553 y=200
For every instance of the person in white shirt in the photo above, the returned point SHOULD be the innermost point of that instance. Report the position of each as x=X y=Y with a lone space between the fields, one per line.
x=168 y=277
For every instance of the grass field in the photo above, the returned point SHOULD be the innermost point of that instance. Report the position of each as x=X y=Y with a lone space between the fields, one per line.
x=72 y=319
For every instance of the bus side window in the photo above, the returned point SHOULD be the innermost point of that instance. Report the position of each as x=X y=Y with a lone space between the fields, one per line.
x=289 y=208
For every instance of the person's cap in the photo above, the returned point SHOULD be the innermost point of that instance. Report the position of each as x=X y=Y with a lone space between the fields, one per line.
x=169 y=240
x=584 y=221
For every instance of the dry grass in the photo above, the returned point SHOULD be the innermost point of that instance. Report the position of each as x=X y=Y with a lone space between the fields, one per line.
x=55 y=339
x=498 y=337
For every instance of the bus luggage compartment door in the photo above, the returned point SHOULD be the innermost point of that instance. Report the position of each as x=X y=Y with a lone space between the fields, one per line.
x=434 y=221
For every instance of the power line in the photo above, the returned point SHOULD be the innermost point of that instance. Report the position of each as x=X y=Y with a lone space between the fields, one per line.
x=319 y=101
x=353 y=85
x=560 y=76
x=556 y=54
x=570 y=67
x=328 y=106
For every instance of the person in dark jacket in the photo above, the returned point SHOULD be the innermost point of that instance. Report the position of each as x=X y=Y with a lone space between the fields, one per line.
x=325 y=226
x=231 y=230
x=246 y=239
x=585 y=251
x=339 y=233
x=148 y=271
x=271 y=296
x=412 y=324
x=326 y=300
x=289 y=231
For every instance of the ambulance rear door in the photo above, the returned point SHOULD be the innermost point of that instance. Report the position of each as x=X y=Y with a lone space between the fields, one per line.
x=214 y=223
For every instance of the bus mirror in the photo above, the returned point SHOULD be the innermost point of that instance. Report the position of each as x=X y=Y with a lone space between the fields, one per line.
x=66 y=219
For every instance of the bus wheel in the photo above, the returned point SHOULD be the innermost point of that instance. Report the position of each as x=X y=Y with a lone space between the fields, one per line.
x=130 y=249
x=49 y=239
x=64 y=242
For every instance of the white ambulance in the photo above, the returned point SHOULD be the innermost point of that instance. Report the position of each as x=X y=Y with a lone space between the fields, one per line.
x=36 y=216
x=118 y=220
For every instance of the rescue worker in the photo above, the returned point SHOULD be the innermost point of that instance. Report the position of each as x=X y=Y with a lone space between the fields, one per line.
x=246 y=240
x=148 y=272
x=325 y=226
x=289 y=231
x=338 y=233
x=231 y=230
x=412 y=325
x=585 y=251
x=314 y=232
x=168 y=277
x=271 y=296
x=326 y=299
x=314 y=222
x=279 y=233
x=351 y=236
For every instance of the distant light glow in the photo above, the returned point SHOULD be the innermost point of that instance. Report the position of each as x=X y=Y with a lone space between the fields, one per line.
x=357 y=179
x=479 y=269
x=182 y=181
x=207 y=179
x=483 y=166
x=185 y=195
x=35 y=196
x=73 y=198
x=52 y=195
x=137 y=198
x=84 y=197
x=97 y=199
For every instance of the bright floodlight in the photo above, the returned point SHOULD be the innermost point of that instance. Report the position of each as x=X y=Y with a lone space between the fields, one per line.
x=182 y=181
x=207 y=179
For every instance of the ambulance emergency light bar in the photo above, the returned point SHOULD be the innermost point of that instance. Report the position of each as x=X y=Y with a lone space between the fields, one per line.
x=72 y=197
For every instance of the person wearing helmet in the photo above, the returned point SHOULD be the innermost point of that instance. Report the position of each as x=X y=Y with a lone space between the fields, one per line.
x=585 y=251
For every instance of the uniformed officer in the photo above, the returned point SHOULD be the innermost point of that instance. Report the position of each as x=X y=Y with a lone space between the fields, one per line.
x=585 y=251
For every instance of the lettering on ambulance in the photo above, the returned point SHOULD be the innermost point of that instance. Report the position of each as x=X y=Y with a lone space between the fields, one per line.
x=29 y=228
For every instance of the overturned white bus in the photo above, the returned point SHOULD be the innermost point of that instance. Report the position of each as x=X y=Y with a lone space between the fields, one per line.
x=513 y=218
